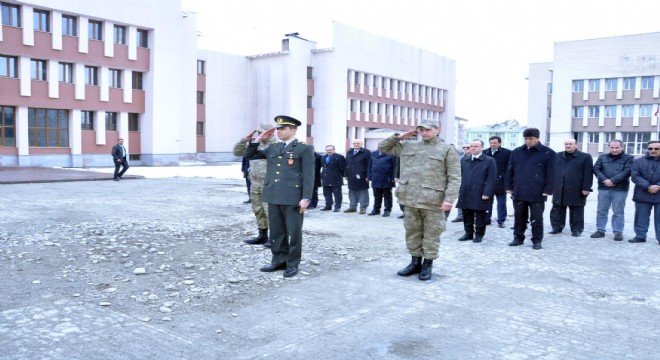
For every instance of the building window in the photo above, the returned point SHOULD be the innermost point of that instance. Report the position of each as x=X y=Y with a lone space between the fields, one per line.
x=593 y=137
x=7 y=125
x=41 y=20
x=137 y=80
x=611 y=84
x=352 y=105
x=133 y=122
x=120 y=34
x=8 y=66
x=201 y=67
x=200 y=129
x=629 y=83
x=610 y=111
x=594 y=111
x=11 y=15
x=200 y=97
x=111 y=121
x=95 y=29
x=609 y=136
x=647 y=82
x=578 y=112
x=87 y=120
x=645 y=110
x=310 y=72
x=66 y=72
x=578 y=85
x=69 y=25
x=594 y=85
x=627 y=111
x=549 y=88
x=115 y=78
x=357 y=78
x=142 y=38
x=634 y=143
x=39 y=69
x=578 y=137
x=91 y=75
x=309 y=102
x=48 y=127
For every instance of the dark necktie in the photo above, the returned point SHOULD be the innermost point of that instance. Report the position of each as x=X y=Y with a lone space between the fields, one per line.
x=282 y=147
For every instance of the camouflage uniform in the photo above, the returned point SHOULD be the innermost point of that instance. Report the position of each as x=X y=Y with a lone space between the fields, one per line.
x=257 y=175
x=430 y=174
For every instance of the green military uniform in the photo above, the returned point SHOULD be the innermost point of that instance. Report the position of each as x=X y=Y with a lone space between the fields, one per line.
x=430 y=174
x=289 y=179
x=256 y=175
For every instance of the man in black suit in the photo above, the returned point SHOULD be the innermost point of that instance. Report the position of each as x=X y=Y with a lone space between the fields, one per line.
x=119 y=158
x=287 y=190
x=501 y=156
x=332 y=178
x=317 y=181
x=357 y=165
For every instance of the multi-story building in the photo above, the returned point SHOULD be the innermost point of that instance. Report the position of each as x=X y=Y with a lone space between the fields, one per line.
x=598 y=90
x=510 y=131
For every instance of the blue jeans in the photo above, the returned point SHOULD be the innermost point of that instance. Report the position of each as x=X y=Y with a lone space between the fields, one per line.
x=501 y=208
x=615 y=199
x=642 y=215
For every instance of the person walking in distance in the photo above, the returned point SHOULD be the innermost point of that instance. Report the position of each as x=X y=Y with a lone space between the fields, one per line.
x=119 y=157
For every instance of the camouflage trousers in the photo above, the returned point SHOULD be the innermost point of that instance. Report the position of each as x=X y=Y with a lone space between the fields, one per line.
x=259 y=208
x=423 y=229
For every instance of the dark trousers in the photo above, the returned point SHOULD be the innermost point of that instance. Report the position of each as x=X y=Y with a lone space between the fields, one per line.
x=379 y=195
x=123 y=164
x=533 y=211
x=248 y=184
x=474 y=221
x=501 y=208
x=329 y=192
x=575 y=218
x=285 y=222
x=314 y=201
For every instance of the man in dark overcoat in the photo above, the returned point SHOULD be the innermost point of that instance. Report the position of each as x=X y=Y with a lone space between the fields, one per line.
x=530 y=178
x=381 y=175
x=478 y=174
x=317 y=181
x=332 y=178
x=501 y=156
x=357 y=165
x=287 y=190
x=573 y=180
x=646 y=177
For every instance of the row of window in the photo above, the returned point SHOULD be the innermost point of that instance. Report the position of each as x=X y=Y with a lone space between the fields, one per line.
x=404 y=86
x=629 y=83
x=50 y=127
x=42 y=22
x=610 y=111
x=39 y=71
x=634 y=143
x=376 y=108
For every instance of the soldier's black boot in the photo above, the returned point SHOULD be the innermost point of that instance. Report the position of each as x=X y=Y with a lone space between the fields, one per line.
x=427 y=268
x=414 y=267
x=261 y=239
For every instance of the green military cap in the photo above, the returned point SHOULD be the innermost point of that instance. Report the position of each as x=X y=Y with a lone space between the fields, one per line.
x=283 y=120
x=264 y=126
x=428 y=123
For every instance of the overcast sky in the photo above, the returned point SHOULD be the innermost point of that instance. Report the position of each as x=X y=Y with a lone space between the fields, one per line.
x=492 y=41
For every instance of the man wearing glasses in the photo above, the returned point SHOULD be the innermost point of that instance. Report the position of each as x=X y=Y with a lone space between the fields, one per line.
x=646 y=177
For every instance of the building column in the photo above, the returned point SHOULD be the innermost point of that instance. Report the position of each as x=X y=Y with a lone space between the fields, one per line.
x=79 y=81
x=22 y=136
x=369 y=81
x=83 y=35
x=75 y=135
x=56 y=30
x=131 y=32
x=27 y=22
x=104 y=83
x=53 y=79
x=351 y=80
x=127 y=82
x=108 y=39
x=99 y=127
x=24 y=75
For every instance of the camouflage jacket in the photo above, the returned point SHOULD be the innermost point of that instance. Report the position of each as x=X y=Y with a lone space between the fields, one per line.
x=257 y=167
x=430 y=172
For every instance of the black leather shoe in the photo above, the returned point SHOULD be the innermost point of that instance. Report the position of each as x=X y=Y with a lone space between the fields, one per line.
x=457 y=220
x=291 y=271
x=501 y=225
x=247 y=201
x=326 y=209
x=576 y=233
x=636 y=240
x=555 y=231
x=271 y=268
x=374 y=212
x=466 y=237
x=401 y=216
x=537 y=246
x=268 y=243
x=335 y=210
x=478 y=239
x=516 y=243
x=386 y=213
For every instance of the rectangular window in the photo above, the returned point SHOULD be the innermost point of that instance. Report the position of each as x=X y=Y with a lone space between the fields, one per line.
x=357 y=78
x=309 y=102
x=627 y=111
x=66 y=72
x=48 y=127
x=11 y=15
x=578 y=112
x=133 y=122
x=594 y=111
x=593 y=137
x=611 y=84
x=352 y=105
x=87 y=120
x=39 y=70
x=647 y=82
x=69 y=25
x=609 y=136
x=629 y=83
x=578 y=85
x=634 y=143
x=111 y=121
x=645 y=110
x=91 y=75
x=41 y=20
x=95 y=30
x=200 y=97
x=8 y=66
x=200 y=129
x=7 y=126
x=120 y=34
x=200 y=67
x=309 y=72
x=549 y=88
x=115 y=78
x=142 y=38
x=594 y=85
x=137 y=80
x=610 y=111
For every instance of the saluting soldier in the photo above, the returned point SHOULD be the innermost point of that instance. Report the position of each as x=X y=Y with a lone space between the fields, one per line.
x=256 y=175
x=287 y=189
